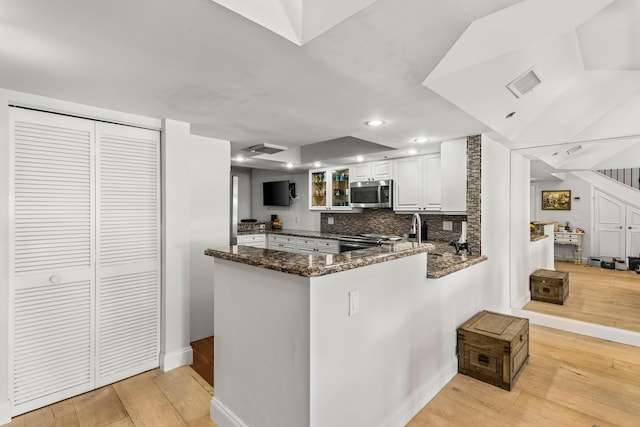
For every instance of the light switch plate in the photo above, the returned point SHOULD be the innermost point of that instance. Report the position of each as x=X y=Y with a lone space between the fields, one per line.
x=447 y=225
x=354 y=302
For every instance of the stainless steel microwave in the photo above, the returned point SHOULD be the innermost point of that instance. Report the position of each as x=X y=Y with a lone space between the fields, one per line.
x=371 y=194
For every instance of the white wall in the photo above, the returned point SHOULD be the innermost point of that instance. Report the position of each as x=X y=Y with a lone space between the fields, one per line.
x=297 y=216
x=244 y=191
x=209 y=223
x=520 y=239
x=495 y=224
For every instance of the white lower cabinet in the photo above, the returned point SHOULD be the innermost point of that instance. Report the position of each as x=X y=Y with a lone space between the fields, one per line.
x=84 y=284
x=255 y=240
x=287 y=243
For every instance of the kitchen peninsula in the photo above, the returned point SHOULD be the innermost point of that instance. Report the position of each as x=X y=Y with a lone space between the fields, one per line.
x=291 y=329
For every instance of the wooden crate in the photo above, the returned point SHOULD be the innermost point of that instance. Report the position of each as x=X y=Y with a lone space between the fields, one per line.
x=549 y=286
x=493 y=348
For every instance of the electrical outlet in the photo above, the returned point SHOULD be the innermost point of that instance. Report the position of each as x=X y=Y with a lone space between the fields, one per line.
x=330 y=220
x=447 y=225
x=354 y=302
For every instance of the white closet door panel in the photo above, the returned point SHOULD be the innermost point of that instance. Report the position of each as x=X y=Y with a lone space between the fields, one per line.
x=52 y=343
x=129 y=195
x=52 y=180
x=128 y=268
x=52 y=258
x=128 y=325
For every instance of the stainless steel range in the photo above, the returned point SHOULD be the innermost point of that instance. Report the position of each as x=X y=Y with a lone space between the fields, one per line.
x=363 y=241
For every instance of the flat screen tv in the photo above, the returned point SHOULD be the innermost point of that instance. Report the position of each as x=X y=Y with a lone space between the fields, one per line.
x=276 y=193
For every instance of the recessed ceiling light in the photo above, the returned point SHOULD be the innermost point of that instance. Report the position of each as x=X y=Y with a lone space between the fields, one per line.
x=375 y=122
x=240 y=159
x=421 y=139
x=289 y=165
x=359 y=159
x=317 y=164
x=412 y=152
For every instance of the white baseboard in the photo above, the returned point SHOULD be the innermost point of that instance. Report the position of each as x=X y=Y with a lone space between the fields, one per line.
x=5 y=412
x=175 y=359
x=223 y=416
x=416 y=401
x=583 y=328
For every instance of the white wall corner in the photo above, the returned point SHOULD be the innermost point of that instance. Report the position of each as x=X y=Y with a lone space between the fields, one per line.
x=5 y=412
x=423 y=395
x=223 y=416
x=175 y=359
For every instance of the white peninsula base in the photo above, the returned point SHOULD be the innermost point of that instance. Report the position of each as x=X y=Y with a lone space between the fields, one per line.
x=288 y=354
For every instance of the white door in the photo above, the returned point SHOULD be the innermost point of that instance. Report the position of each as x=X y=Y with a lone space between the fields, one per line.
x=85 y=255
x=52 y=258
x=633 y=231
x=609 y=233
x=128 y=256
x=408 y=184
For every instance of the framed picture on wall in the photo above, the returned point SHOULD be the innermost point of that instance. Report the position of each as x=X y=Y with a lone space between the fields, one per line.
x=556 y=200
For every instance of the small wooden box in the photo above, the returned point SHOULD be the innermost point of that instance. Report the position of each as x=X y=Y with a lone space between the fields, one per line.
x=549 y=286
x=493 y=348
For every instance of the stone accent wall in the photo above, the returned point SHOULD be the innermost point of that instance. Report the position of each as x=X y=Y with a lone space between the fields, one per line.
x=474 y=188
x=385 y=221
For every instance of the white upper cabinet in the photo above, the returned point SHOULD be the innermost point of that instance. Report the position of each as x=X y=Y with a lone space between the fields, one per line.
x=432 y=182
x=329 y=189
x=454 y=175
x=361 y=171
x=372 y=171
x=417 y=184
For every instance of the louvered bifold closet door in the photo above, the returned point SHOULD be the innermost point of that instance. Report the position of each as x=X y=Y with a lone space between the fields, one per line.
x=128 y=264
x=52 y=258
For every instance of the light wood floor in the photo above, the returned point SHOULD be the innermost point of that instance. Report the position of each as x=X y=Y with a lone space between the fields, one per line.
x=597 y=295
x=570 y=380
x=154 y=398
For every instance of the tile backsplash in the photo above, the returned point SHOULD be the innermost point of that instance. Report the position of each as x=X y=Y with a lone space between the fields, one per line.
x=385 y=221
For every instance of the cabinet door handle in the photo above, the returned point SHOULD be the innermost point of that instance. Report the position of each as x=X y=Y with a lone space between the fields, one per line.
x=630 y=227
x=621 y=227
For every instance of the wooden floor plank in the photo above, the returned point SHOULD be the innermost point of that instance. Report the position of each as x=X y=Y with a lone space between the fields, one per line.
x=146 y=404
x=597 y=295
x=99 y=407
x=570 y=380
x=184 y=391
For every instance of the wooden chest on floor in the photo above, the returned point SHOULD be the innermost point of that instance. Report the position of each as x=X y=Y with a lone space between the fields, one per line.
x=493 y=348
x=549 y=286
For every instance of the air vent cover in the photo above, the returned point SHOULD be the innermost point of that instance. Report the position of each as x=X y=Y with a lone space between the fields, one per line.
x=265 y=149
x=525 y=83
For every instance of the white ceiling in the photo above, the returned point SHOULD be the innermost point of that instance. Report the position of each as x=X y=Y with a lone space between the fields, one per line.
x=337 y=67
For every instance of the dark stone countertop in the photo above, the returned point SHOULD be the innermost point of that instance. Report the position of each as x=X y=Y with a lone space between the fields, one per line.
x=300 y=264
x=449 y=262
x=314 y=265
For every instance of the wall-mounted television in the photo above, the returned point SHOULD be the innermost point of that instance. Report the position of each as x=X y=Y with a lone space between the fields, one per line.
x=276 y=193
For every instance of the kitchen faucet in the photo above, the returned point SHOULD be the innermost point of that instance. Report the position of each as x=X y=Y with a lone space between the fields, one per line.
x=415 y=227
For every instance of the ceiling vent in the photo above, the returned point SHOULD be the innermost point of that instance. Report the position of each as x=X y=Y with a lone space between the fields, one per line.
x=525 y=83
x=265 y=148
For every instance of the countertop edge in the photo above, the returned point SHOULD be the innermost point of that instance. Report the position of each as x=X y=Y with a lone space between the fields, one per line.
x=438 y=273
x=306 y=271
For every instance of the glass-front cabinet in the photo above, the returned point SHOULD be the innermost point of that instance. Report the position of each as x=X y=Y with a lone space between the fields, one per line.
x=329 y=189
